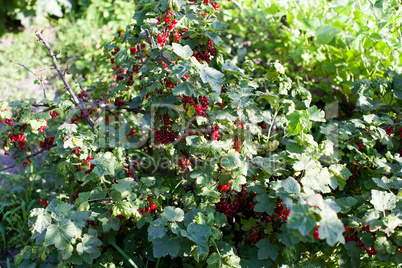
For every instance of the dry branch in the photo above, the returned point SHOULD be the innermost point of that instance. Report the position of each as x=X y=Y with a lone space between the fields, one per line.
x=56 y=65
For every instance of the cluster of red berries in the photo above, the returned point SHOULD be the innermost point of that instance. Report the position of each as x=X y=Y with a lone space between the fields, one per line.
x=179 y=34
x=316 y=235
x=42 y=128
x=48 y=142
x=224 y=188
x=360 y=145
x=26 y=162
x=237 y=143
x=215 y=133
x=166 y=134
x=131 y=133
x=89 y=165
x=216 y=6
x=354 y=174
x=129 y=171
x=117 y=49
x=169 y=84
x=9 y=121
x=229 y=207
x=256 y=235
x=82 y=95
x=135 y=50
x=149 y=209
x=163 y=38
x=205 y=51
x=54 y=114
x=201 y=110
x=389 y=130
x=281 y=212
x=42 y=202
x=124 y=74
x=352 y=236
x=74 y=197
x=184 y=164
x=20 y=138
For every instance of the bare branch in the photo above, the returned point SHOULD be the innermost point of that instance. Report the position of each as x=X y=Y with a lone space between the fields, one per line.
x=150 y=39
x=24 y=67
x=32 y=155
x=56 y=65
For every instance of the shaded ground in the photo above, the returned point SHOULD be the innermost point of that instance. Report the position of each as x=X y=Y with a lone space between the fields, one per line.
x=9 y=254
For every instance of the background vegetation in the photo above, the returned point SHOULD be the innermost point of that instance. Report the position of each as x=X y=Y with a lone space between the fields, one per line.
x=330 y=51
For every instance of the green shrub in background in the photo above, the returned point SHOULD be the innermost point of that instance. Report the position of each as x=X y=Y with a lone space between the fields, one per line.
x=29 y=12
x=324 y=45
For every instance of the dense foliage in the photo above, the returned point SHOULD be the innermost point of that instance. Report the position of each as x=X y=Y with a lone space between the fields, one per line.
x=191 y=158
x=325 y=45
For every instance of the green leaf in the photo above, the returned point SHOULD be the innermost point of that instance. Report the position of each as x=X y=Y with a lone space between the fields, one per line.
x=60 y=234
x=197 y=233
x=180 y=69
x=315 y=114
x=229 y=67
x=68 y=128
x=346 y=203
x=301 y=219
x=264 y=204
x=331 y=229
x=383 y=245
x=317 y=180
x=109 y=222
x=173 y=214
x=231 y=160
x=217 y=26
x=213 y=77
x=267 y=250
x=42 y=222
x=325 y=34
x=305 y=163
x=291 y=186
x=383 y=200
x=80 y=218
x=166 y=245
x=298 y=121
x=105 y=164
x=184 y=52
x=185 y=88
x=397 y=86
x=124 y=185
x=156 y=229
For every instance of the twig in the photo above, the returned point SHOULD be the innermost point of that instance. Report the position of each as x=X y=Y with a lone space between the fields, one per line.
x=104 y=184
x=150 y=39
x=43 y=86
x=140 y=52
x=32 y=155
x=56 y=65
x=273 y=123
x=24 y=67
